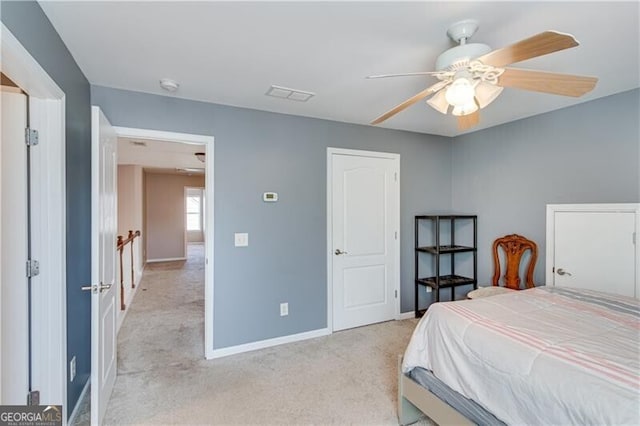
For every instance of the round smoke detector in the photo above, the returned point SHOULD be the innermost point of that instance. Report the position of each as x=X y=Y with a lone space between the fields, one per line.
x=169 y=85
x=460 y=32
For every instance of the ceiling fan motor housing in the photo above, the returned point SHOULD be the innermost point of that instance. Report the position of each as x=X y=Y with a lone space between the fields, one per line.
x=460 y=55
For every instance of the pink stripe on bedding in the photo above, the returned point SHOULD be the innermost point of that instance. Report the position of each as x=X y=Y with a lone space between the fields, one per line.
x=587 y=361
x=594 y=309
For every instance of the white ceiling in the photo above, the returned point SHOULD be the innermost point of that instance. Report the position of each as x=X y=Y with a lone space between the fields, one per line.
x=231 y=52
x=167 y=156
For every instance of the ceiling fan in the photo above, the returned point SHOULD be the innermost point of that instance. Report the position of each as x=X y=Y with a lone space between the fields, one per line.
x=472 y=75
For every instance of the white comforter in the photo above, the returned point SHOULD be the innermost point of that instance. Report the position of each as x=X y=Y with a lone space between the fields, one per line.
x=539 y=356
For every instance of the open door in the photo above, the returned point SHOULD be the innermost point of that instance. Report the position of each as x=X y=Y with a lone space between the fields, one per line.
x=103 y=263
x=14 y=323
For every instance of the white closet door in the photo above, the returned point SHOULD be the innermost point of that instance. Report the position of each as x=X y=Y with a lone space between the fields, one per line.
x=595 y=250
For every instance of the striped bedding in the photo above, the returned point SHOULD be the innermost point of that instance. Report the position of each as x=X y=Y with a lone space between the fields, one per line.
x=547 y=355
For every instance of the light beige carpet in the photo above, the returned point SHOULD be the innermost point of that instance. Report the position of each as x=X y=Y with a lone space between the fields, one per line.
x=348 y=377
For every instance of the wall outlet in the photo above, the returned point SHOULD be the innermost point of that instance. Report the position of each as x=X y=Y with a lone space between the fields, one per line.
x=72 y=369
x=284 y=309
x=241 y=239
x=429 y=289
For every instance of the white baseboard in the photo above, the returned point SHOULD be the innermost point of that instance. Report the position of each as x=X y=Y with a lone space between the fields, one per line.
x=168 y=259
x=406 y=315
x=138 y=275
x=74 y=413
x=129 y=300
x=232 y=350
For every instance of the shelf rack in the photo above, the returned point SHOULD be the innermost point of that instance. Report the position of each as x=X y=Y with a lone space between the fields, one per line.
x=450 y=280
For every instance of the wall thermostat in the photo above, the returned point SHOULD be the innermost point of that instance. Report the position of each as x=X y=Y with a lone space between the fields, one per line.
x=270 y=197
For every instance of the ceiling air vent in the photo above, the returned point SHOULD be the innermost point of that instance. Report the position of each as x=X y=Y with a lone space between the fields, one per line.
x=290 y=94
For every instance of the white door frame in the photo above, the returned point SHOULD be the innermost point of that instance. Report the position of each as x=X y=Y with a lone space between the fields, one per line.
x=208 y=142
x=49 y=301
x=611 y=207
x=396 y=279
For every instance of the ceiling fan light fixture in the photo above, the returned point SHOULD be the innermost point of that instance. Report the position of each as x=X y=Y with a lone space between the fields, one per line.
x=460 y=93
x=466 y=109
x=487 y=93
x=439 y=102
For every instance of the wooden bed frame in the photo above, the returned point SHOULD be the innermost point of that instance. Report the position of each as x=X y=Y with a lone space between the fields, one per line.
x=414 y=402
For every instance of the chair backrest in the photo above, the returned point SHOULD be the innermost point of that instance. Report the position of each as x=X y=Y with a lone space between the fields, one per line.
x=514 y=247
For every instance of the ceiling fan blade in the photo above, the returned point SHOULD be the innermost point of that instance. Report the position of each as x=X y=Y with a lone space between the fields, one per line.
x=412 y=100
x=467 y=121
x=532 y=47
x=405 y=74
x=547 y=82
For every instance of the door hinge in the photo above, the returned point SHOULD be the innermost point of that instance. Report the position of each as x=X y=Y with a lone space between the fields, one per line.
x=396 y=235
x=553 y=269
x=396 y=294
x=395 y=176
x=33 y=398
x=33 y=268
x=31 y=136
x=634 y=238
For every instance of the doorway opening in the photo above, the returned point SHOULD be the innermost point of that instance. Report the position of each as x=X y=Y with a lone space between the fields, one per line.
x=164 y=165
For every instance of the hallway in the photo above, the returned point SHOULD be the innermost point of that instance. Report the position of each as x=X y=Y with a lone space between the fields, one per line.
x=164 y=329
x=164 y=326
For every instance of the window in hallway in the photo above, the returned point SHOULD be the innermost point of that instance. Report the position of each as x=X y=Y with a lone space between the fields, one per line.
x=194 y=204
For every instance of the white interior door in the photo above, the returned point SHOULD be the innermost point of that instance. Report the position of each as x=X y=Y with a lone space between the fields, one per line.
x=103 y=263
x=13 y=288
x=364 y=254
x=596 y=251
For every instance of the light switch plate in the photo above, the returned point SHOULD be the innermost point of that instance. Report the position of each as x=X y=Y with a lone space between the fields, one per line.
x=72 y=369
x=241 y=239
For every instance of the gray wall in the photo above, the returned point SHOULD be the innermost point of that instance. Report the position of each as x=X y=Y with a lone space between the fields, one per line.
x=588 y=153
x=286 y=259
x=32 y=28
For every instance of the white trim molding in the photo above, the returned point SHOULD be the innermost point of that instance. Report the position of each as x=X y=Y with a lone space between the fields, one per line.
x=406 y=315
x=129 y=300
x=167 y=259
x=396 y=284
x=160 y=135
x=49 y=303
x=208 y=143
x=262 y=344
x=83 y=395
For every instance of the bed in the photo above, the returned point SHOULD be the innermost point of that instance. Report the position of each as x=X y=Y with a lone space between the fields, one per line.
x=547 y=355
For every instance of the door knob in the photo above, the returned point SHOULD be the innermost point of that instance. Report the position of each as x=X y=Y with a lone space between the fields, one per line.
x=563 y=272
x=95 y=288
x=339 y=252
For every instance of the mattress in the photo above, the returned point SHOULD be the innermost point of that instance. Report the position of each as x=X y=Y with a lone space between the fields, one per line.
x=465 y=406
x=538 y=356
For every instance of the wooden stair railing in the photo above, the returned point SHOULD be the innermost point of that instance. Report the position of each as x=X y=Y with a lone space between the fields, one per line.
x=121 y=243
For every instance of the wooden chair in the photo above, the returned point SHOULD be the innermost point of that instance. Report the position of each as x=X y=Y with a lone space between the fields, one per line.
x=514 y=246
